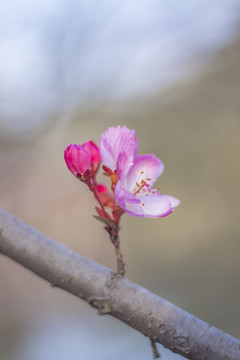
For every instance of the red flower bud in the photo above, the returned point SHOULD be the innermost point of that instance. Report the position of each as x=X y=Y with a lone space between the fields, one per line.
x=94 y=153
x=77 y=159
x=104 y=195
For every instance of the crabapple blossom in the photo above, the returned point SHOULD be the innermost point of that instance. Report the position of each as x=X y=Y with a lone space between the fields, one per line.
x=131 y=176
x=134 y=193
x=114 y=141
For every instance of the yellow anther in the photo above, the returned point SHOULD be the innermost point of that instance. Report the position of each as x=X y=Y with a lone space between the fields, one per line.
x=153 y=192
x=149 y=179
x=158 y=188
x=137 y=184
x=143 y=204
x=142 y=172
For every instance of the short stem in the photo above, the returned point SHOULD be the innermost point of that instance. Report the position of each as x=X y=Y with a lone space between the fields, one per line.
x=156 y=354
x=114 y=207
x=115 y=240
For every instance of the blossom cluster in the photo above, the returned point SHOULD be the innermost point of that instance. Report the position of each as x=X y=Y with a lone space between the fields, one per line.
x=132 y=176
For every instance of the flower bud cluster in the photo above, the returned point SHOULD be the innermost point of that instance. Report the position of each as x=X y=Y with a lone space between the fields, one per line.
x=83 y=159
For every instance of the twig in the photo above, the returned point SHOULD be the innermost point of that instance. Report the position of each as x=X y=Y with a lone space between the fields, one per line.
x=115 y=240
x=156 y=354
x=151 y=315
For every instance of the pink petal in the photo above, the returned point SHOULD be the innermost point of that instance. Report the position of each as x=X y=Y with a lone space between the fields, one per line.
x=123 y=166
x=94 y=153
x=134 y=210
x=128 y=202
x=173 y=201
x=123 y=196
x=114 y=141
x=155 y=206
x=77 y=159
x=146 y=168
x=125 y=199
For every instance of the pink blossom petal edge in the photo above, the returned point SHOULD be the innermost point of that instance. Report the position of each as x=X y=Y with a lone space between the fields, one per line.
x=114 y=141
x=157 y=205
x=173 y=201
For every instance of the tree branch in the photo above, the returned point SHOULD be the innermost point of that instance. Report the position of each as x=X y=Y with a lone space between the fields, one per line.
x=103 y=289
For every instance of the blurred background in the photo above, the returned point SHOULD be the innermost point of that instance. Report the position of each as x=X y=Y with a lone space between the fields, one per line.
x=171 y=71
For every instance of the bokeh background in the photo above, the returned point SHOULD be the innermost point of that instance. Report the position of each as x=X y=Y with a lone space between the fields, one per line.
x=171 y=71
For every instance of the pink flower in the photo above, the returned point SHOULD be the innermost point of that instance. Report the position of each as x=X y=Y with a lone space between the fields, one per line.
x=114 y=141
x=94 y=153
x=133 y=191
x=77 y=159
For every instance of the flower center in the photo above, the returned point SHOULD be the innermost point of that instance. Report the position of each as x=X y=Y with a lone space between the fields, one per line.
x=141 y=184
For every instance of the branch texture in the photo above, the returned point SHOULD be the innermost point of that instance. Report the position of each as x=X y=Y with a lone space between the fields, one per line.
x=154 y=317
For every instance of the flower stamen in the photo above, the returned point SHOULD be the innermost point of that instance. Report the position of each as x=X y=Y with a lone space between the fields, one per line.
x=140 y=187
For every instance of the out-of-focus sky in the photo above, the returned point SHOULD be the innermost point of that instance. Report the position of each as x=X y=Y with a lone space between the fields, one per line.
x=55 y=55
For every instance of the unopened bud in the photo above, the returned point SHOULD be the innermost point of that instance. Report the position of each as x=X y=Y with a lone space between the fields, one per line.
x=104 y=195
x=94 y=153
x=77 y=159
